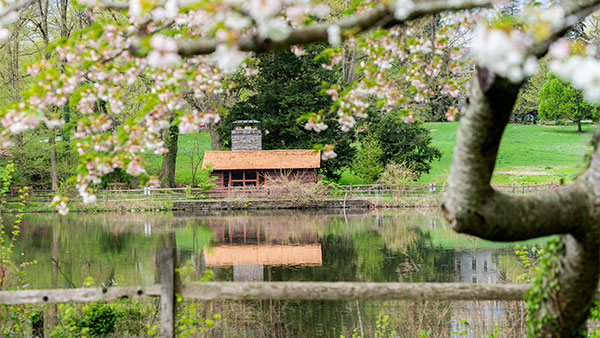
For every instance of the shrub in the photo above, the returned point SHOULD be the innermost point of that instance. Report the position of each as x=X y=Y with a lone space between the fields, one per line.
x=295 y=190
x=99 y=318
x=397 y=174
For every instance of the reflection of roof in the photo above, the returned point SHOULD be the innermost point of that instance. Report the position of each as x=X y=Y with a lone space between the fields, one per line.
x=263 y=254
x=262 y=159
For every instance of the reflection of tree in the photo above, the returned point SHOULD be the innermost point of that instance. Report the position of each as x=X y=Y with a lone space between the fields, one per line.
x=370 y=249
x=112 y=243
x=433 y=263
x=102 y=246
x=370 y=253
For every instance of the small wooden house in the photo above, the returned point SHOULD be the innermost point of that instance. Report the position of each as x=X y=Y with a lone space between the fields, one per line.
x=251 y=168
x=247 y=165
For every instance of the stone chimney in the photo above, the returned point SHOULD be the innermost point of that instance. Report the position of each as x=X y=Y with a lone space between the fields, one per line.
x=246 y=135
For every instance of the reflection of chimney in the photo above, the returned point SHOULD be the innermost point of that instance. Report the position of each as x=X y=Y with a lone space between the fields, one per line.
x=249 y=273
x=246 y=135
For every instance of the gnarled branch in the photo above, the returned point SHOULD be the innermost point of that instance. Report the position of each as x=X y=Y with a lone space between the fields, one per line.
x=380 y=16
x=474 y=207
x=471 y=204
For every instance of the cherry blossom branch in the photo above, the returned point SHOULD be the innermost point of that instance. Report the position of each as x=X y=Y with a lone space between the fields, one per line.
x=574 y=12
x=5 y=11
x=117 y=6
x=380 y=16
x=472 y=206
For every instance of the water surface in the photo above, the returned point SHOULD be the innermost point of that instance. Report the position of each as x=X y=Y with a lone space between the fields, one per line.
x=377 y=246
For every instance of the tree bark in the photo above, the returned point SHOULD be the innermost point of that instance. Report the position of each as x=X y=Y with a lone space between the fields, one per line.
x=53 y=162
x=13 y=49
x=215 y=139
x=579 y=130
x=167 y=173
x=472 y=206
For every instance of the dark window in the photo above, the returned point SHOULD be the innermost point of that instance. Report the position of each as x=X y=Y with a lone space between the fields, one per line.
x=237 y=175
x=251 y=184
x=237 y=184
x=474 y=264
x=485 y=266
x=250 y=175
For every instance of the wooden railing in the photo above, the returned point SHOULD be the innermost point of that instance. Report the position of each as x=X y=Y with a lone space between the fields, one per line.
x=168 y=287
x=293 y=291
x=338 y=191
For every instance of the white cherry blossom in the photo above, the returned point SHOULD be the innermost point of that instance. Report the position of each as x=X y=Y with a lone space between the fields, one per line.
x=228 y=58
x=333 y=35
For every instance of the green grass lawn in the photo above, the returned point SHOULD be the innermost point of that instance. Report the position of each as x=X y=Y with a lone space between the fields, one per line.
x=186 y=149
x=528 y=154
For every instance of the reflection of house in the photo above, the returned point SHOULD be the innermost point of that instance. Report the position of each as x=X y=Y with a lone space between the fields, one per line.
x=248 y=165
x=478 y=266
x=264 y=255
x=250 y=244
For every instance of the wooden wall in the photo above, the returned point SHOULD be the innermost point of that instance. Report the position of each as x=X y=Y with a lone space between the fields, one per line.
x=303 y=175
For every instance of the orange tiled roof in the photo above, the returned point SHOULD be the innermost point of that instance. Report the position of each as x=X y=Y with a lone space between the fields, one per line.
x=262 y=159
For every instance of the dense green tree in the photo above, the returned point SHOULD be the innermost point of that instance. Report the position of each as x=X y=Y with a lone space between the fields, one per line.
x=286 y=87
x=437 y=106
x=401 y=142
x=368 y=165
x=559 y=99
x=528 y=99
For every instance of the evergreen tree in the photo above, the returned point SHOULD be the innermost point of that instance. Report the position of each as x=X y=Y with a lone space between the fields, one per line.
x=286 y=87
x=368 y=165
x=401 y=142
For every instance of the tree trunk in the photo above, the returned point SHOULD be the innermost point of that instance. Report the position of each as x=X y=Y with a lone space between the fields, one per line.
x=215 y=139
x=579 y=130
x=13 y=49
x=472 y=206
x=167 y=173
x=53 y=164
x=66 y=137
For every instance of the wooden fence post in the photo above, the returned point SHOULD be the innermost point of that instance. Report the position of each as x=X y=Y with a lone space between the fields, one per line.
x=167 y=293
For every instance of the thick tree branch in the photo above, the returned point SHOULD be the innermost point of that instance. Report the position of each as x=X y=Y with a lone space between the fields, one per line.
x=592 y=174
x=471 y=204
x=117 y=6
x=474 y=207
x=380 y=16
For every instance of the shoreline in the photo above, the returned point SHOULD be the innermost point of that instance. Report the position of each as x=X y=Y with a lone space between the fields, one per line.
x=228 y=204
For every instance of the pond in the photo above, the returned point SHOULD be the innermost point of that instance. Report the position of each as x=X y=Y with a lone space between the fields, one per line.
x=376 y=246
